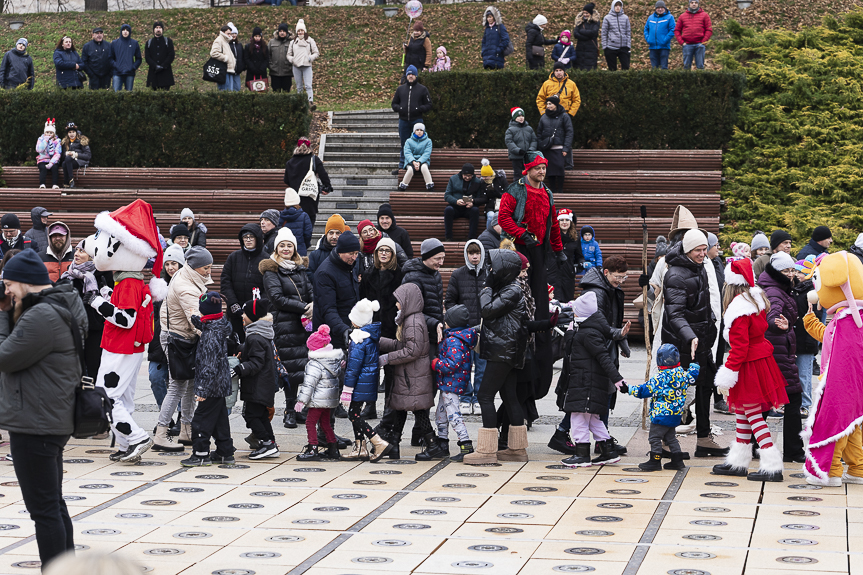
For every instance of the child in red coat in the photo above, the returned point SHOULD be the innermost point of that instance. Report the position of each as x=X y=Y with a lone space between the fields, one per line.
x=750 y=378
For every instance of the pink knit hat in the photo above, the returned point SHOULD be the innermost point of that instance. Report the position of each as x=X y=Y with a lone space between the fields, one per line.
x=319 y=339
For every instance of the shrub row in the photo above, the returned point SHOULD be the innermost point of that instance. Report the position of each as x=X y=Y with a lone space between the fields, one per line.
x=620 y=110
x=180 y=129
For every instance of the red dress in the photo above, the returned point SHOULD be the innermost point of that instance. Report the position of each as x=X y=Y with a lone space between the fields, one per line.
x=759 y=381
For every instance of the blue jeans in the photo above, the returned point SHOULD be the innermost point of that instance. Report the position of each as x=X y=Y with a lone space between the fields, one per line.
x=120 y=82
x=232 y=83
x=406 y=128
x=159 y=381
x=690 y=51
x=659 y=58
x=469 y=395
x=804 y=370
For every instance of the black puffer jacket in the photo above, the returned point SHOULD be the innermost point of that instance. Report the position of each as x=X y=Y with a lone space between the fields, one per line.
x=381 y=285
x=590 y=368
x=555 y=129
x=319 y=254
x=465 y=283
x=258 y=369
x=490 y=240
x=806 y=344
x=411 y=101
x=609 y=301
x=336 y=293
x=289 y=291
x=431 y=286
x=504 y=332
x=398 y=234
x=586 y=43
x=240 y=275
x=535 y=37
x=212 y=374
x=562 y=276
x=687 y=313
x=777 y=288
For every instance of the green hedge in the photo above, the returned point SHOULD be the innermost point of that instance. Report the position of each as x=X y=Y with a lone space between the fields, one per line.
x=621 y=110
x=181 y=129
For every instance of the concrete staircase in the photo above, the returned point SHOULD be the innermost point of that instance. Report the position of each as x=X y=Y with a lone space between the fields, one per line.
x=359 y=164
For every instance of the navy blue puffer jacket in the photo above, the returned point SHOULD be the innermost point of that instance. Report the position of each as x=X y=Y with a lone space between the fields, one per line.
x=361 y=372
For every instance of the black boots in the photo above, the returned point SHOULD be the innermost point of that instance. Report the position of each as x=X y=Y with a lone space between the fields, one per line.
x=310 y=453
x=652 y=464
x=581 y=457
x=332 y=452
x=416 y=437
x=607 y=453
x=561 y=442
x=676 y=462
x=369 y=411
x=290 y=419
x=464 y=448
x=435 y=448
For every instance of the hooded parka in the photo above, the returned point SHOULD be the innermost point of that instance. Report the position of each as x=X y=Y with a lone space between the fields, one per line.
x=616 y=29
x=125 y=54
x=16 y=69
x=431 y=289
x=590 y=368
x=495 y=40
x=465 y=283
x=320 y=388
x=361 y=369
x=39 y=232
x=520 y=139
x=241 y=276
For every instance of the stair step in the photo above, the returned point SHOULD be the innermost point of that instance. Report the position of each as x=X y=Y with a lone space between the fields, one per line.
x=364 y=138
x=366 y=183
x=362 y=112
x=383 y=155
x=364 y=128
x=373 y=168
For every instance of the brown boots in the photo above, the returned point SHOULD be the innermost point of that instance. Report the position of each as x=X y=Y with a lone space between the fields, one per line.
x=486 y=448
x=516 y=449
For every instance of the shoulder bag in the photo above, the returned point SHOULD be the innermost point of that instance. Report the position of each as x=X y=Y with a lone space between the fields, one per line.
x=258 y=84
x=309 y=185
x=537 y=51
x=181 y=354
x=215 y=71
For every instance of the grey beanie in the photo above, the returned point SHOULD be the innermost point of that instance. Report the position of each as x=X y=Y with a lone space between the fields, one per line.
x=759 y=241
x=272 y=215
x=712 y=240
x=659 y=4
x=198 y=257
x=430 y=248
x=491 y=223
x=22 y=41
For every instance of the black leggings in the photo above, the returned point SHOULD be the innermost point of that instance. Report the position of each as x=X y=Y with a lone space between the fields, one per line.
x=499 y=377
x=43 y=172
x=361 y=428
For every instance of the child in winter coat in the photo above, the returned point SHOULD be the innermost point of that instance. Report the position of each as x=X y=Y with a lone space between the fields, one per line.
x=442 y=63
x=212 y=385
x=297 y=220
x=564 y=51
x=48 y=152
x=519 y=139
x=668 y=390
x=320 y=391
x=590 y=249
x=590 y=369
x=739 y=251
x=453 y=366
x=257 y=373
x=361 y=380
x=418 y=149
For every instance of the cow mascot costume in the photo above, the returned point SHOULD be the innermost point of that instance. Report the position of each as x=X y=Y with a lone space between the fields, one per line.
x=124 y=241
x=832 y=431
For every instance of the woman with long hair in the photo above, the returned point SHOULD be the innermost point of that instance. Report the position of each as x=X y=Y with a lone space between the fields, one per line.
x=296 y=170
x=68 y=63
x=562 y=276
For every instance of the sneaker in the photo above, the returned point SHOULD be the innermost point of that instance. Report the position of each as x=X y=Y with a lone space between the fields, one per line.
x=41 y=186
x=403 y=186
x=267 y=449
x=430 y=186
x=707 y=447
x=721 y=406
x=222 y=459
x=134 y=453
x=117 y=455
x=55 y=187
x=197 y=461
x=775 y=414
x=396 y=171
x=71 y=183
x=254 y=442
x=466 y=408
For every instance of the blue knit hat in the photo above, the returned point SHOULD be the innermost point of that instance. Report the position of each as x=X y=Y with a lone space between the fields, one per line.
x=667 y=355
x=210 y=303
x=411 y=70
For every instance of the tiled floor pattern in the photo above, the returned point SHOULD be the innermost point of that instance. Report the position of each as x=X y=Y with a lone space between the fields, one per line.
x=281 y=516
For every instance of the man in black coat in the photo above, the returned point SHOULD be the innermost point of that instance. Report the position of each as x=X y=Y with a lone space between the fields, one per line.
x=334 y=229
x=387 y=224
x=818 y=244
x=13 y=239
x=688 y=322
x=241 y=279
x=159 y=54
x=96 y=55
x=490 y=238
x=269 y=227
x=411 y=101
x=336 y=291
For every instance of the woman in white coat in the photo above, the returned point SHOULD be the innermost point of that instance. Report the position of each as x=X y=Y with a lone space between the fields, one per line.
x=301 y=53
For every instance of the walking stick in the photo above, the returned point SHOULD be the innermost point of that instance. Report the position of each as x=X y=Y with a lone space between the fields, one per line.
x=644 y=406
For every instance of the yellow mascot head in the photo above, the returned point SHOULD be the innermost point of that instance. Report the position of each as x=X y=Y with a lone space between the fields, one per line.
x=838 y=282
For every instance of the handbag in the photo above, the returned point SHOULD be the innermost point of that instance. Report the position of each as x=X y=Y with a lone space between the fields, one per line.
x=82 y=77
x=537 y=51
x=181 y=355
x=215 y=71
x=509 y=49
x=309 y=185
x=258 y=84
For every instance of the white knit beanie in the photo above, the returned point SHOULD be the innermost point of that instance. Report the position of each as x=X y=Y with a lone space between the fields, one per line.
x=292 y=198
x=363 y=312
x=692 y=239
x=781 y=261
x=540 y=20
x=284 y=235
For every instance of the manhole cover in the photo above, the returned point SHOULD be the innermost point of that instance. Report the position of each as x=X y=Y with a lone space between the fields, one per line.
x=428 y=512
x=712 y=509
x=556 y=467
x=623 y=492
x=97 y=486
x=443 y=499
x=695 y=555
x=77 y=461
x=154 y=463
x=185 y=490
x=471 y=564
x=504 y=530
x=260 y=555
x=28 y=564
x=233 y=466
x=412 y=526
x=688 y=572
x=101 y=532
x=552 y=478
x=614 y=505
x=527 y=502
x=289 y=480
x=798 y=476
x=401 y=462
x=331 y=508
x=286 y=538
x=74 y=497
x=309 y=469
x=702 y=537
x=717 y=495
x=488 y=548
x=794 y=541
x=159 y=502
x=471 y=474
x=369 y=482
x=801 y=513
x=210 y=476
x=805 y=486
x=98 y=452
x=193 y=535
x=604 y=518
x=594 y=533
x=572 y=568
x=515 y=515
x=800 y=527
x=126 y=473
x=804 y=498
x=373 y=560
x=310 y=521
x=245 y=506
x=164 y=551
x=708 y=523
x=133 y=515
x=459 y=485
x=391 y=543
x=266 y=493
x=631 y=480
x=221 y=518
x=233 y=572
x=8 y=527
x=349 y=496
x=385 y=472
x=797 y=560
x=584 y=551
x=540 y=489
x=721 y=484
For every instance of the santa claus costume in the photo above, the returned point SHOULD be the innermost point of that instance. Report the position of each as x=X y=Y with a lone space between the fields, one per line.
x=126 y=239
x=750 y=378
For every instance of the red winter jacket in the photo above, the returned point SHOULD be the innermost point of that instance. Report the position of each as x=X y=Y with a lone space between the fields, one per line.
x=693 y=28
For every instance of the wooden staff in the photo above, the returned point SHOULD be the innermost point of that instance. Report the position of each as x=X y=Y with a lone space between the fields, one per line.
x=644 y=404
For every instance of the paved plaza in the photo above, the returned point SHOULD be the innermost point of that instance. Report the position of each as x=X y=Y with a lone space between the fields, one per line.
x=279 y=516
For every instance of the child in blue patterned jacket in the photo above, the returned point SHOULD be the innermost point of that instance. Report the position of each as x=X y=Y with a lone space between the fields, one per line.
x=668 y=390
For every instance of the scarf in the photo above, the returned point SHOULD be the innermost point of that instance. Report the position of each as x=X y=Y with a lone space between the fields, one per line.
x=82 y=272
x=288 y=265
x=370 y=245
x=120 y=276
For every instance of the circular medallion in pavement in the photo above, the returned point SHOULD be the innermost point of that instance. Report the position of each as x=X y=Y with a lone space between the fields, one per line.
x=349 y=496
x=233 y=572
x=401 y=462
x=211 y=476
x=260 y=555
x=428 y=512
x=797 y=476
x=172 y=453
x=515 y=515
x=796 y=541
x=101 y=532
x=540 y=489
x=804 y=498
x=221 y=519
x=708 y=523
x=594 y=533
x=443 y=499
x=368 y=482
x=193 y=535
x=286 y=538
x=722 y=484
x=97 y=486
x=185 y=490
x=527 y=502
x=623 y=492
x=245 y=506
x=266 y=493
x=391 y=543
x=688 y=572
x=797 y=560
x=695 y=555
x=331 y=509
x=614 y=505
x=483 y=464
x=584 y=551
x=552 y=477
x=472 y=474
x=133 y=515
x=98 y=452
x=289 y=480
x=310 y=521
x=800 y=527
x=8 y=527
x=412 y=526
x=631 y=480
x=712 y=509
x=573 y=568
x=801 y=513
x=702 y=537
x=488 y=548
x=385 y=472
x=10 y=484
x=371 y=560
x=126 y=473
x=805 y=486
x=717 y=496
x=473 y=564
x=153 y=463
x=504 y=530
x=159 y=502
x=604 y=518
x=557 y=466
x=233 y=466
x=74 y=498
x=164 y=551
x=459 y=485
x=28 y=564
x=77 y=461
x=309 y=469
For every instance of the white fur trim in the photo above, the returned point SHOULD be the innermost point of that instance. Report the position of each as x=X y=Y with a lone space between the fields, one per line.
x=740 y=307
x=828 y=482
x=739 y=455
x=734 y=278
x=358 y=335
x=328 y=354
x=771 y=460
x=158 y=288
x=725 y=378
x=133 y=243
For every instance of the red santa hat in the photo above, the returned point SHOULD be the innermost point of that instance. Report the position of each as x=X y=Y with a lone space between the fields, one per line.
x=564 y=214
x=739 y=273
x=135 y=227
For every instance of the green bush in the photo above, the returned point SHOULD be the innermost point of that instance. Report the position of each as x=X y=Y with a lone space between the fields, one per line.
x=180 y=129
x=620 y=110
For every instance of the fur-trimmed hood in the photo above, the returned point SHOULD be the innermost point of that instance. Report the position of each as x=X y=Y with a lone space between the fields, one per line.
x=740 y=307
x=498 y=19
x=326 y=354
x=81 y=139
x=579 y=20
x=270 y=265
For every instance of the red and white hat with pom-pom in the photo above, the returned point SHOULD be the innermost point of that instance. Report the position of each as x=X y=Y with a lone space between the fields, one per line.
x=564 y=214
x=739 y=273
